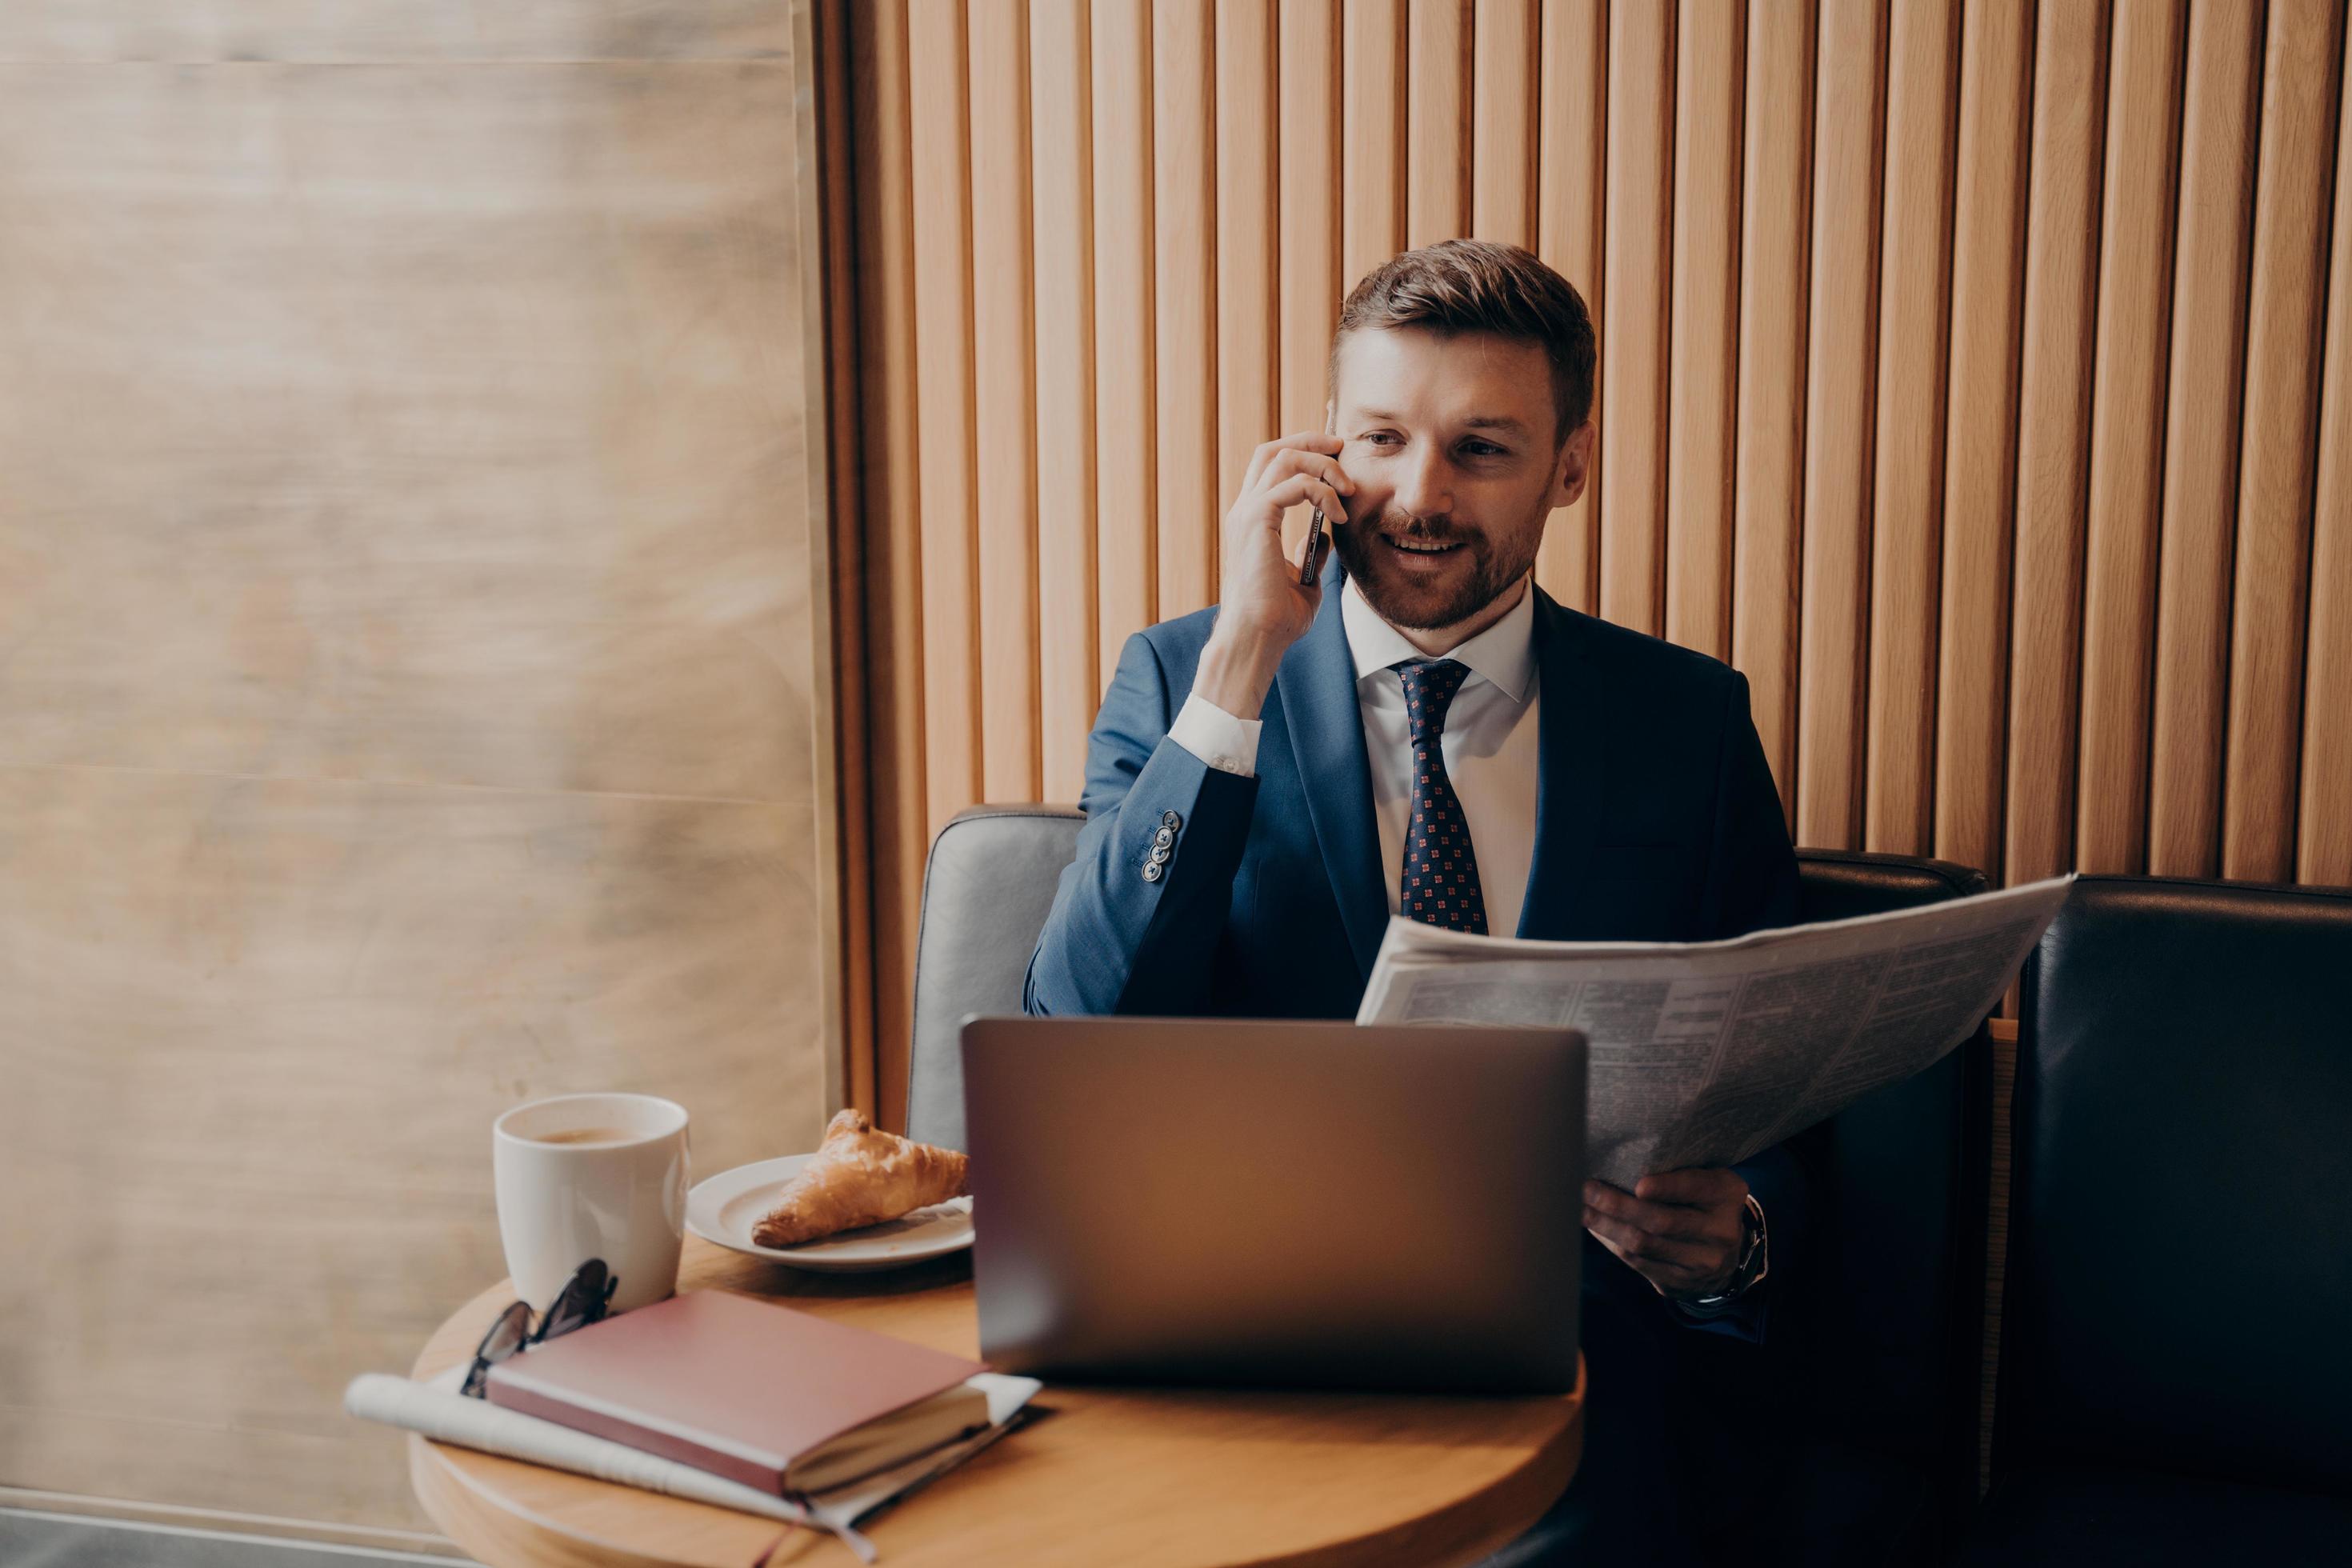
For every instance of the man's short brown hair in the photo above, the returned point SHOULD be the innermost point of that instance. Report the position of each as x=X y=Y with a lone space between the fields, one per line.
x=1478 y=286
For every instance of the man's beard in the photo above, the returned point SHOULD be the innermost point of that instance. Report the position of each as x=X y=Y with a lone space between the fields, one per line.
x=1429 y=606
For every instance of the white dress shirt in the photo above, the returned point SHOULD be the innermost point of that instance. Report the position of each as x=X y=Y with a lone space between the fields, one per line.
x=1490 y=745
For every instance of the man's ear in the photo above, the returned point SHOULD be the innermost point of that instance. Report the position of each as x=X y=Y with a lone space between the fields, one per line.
x=1574 y=467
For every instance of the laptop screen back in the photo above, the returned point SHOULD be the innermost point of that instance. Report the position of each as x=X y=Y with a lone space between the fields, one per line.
x=1275 y=1203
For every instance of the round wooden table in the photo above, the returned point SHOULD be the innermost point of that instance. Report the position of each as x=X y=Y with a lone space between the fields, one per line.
x=1152 y=1478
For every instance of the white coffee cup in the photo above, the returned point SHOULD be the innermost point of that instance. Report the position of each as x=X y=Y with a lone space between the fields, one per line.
x=591 y=1175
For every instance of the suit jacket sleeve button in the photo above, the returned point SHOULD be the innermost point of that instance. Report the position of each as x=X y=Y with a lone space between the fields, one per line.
x=1151 y=871
x=1164 y=838
x=1170 y=819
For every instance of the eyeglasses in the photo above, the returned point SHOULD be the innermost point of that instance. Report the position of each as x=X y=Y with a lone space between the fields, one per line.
x=584 y=1298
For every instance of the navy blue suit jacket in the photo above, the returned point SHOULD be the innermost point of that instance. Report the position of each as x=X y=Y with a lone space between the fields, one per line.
x=1657 y=820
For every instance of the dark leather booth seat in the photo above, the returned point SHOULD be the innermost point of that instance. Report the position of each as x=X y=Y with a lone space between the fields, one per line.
x=1890 y=1317
x=1885 y=1330
x=2176 y=1379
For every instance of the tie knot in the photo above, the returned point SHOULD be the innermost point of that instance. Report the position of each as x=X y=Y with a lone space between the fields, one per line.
x=1429 y=687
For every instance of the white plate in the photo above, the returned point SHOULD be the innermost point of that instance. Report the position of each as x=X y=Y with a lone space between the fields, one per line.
x=723 y=1208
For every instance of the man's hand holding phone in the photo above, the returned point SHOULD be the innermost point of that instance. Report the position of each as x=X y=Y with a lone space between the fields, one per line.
x=1264 y=607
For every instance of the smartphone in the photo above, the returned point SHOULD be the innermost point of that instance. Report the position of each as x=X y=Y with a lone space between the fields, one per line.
x=1314 y=538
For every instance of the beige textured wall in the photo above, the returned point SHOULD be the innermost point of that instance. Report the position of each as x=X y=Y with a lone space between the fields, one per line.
x=410 y=688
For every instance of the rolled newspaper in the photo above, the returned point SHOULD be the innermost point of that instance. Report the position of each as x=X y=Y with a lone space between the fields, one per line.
x=447 y=1416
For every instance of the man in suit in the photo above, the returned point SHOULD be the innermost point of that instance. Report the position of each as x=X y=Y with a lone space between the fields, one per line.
x=1421 y=730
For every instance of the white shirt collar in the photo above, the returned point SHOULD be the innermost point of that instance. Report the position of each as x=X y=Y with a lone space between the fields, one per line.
x=1503 y=653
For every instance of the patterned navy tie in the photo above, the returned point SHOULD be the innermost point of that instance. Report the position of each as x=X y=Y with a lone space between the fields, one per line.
x=1440 y=884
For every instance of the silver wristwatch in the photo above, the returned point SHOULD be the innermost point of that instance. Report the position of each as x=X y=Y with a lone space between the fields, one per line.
x=1755 y=1262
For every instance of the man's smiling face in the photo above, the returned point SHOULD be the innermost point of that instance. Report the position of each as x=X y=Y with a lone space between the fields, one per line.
x=1449 y=443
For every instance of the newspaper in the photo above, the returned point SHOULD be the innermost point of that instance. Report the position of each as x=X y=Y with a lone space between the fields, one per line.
x=437 y=1410
x=1706 y=1053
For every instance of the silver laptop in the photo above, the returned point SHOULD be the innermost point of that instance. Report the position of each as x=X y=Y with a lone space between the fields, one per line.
x=1302 y=1205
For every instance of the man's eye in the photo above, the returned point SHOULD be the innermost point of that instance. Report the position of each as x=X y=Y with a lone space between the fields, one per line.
x=1474 y=448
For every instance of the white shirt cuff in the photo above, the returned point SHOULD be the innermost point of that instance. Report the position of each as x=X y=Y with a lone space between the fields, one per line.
x=1226 y=744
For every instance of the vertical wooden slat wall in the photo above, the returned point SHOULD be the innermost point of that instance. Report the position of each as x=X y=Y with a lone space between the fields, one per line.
x=2324 y=844
x=1248 y=237
x=1571 y=113
x=1637 y=253
x=1126 y=383
x=893 y=748
x=1767 y=476
x=1063 y=197
x=1702 y=441
x=1907 y=445
x=2204 y=397
x=2127 y=435
x=1004 y=358
x=2061 y=258
x=1833 y=641
x=1309 y=144
x=2285 y=330
x=1980 y=429
x=1183 y=90
x=1975 y=376
x=939 y=131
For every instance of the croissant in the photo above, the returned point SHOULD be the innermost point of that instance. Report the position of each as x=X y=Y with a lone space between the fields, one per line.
x=861 y=1175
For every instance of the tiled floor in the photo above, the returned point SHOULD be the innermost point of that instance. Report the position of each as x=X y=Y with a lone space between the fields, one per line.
x=59 y=1540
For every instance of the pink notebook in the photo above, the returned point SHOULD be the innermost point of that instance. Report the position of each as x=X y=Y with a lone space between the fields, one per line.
x=749 y=1390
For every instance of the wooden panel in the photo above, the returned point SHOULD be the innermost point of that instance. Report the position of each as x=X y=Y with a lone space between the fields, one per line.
x=2221 y=87
x=2127 y=435
x=1842 y=358
x=832 y=293
x=1775 y=217
x=1309 y=247
x=1247 y=233
x=2276 y=463
x=892 y=532
x=412 y=706
x=1373 y=125
x=1907 y=490
x=1704 y=367
x=1980 y=436
x=1184 y=294
x=1437 y=156
x=1005 y=423
x=1571 y=139
x=1126 y=448
x=1061 y=126
x=939 y=128
x=2054 y=436
x=2324 y=839
x=819 y=203
x=1504 y=53
x=1632 y=398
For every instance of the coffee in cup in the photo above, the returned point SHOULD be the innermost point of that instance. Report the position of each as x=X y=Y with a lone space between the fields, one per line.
x=593 y=1175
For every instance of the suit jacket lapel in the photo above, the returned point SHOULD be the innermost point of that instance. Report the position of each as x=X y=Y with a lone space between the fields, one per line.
x=1568 y=777
x=1316 y=686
